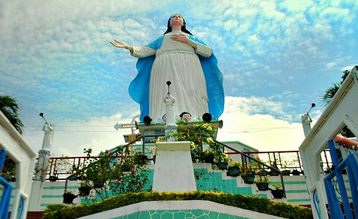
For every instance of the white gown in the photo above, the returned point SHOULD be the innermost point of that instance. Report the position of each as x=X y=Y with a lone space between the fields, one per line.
x=179 y=63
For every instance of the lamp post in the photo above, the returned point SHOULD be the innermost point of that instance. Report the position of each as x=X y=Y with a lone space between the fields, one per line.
x=44 y=153
x=306 y=121
x=170 y=125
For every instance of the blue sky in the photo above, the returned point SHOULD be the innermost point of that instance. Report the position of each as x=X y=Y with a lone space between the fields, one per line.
x=277 y=57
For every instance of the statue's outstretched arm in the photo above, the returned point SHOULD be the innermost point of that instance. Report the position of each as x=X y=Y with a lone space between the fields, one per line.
x=121 y=45
x=136 y=51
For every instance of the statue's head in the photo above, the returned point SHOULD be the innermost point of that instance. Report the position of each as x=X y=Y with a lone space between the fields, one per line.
x=185 y=116
x=172 y=19
x=176 y=19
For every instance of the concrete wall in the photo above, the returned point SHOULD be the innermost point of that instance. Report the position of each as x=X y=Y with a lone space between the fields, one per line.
x=18 y=150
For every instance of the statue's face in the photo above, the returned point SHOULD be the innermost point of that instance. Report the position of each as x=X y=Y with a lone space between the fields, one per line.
x=186 y=117
x=176 y=20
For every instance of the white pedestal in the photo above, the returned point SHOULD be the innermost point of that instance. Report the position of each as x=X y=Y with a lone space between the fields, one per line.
x=173 y=171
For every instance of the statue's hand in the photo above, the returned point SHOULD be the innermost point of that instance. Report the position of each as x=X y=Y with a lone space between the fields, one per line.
x=180 y=38
x=118 y=44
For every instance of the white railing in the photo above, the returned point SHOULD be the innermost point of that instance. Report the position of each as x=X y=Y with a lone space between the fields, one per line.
x=342 y=111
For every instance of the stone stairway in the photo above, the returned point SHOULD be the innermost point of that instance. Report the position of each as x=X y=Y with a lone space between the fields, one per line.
x=217 y=180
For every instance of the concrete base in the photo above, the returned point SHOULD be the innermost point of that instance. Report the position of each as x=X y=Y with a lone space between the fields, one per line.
x=173 y=170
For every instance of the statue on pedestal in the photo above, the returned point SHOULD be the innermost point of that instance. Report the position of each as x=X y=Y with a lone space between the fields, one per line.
x=183 y=59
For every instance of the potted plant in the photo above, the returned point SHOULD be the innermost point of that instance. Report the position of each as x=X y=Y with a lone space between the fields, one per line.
x=221 y=160
x=264 y=172
x=277 y=192
x=234 y=169
x=247 y=173
x=208 y=156
x=84 y=189
x=53 y=178
x=68 y=197
x=296 y=172
x=116 y=170
x=274 y=172
x=262 y=182
x=286 y=171
x=98 y=171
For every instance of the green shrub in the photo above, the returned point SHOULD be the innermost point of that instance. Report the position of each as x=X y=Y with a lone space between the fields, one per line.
x=246 y=202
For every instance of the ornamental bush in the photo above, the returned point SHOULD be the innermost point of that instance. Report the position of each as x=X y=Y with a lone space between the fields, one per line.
x=246 y=202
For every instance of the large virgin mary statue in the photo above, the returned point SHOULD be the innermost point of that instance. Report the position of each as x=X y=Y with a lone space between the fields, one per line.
x=190 y=65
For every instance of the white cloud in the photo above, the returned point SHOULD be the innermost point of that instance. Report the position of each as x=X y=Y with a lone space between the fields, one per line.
x=330 y=65
x=269 y=10
x=323 y=29
x=337 y=13
x=254 y=40
x=297 y=6
x=230 y=24
x=261 y=131
x=254 y=105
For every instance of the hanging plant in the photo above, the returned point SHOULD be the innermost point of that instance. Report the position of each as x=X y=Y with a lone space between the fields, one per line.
x=84 y=189
x=234 y=169
x=262 y=182
x=277 y=192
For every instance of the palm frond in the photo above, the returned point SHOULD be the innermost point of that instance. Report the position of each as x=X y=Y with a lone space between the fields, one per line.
x=10 y=109
x=330 y=92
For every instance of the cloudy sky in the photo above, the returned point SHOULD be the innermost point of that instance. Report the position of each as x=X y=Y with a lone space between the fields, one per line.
x=277 y=57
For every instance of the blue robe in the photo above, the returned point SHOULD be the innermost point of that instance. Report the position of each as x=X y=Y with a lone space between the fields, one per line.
x=139 y=87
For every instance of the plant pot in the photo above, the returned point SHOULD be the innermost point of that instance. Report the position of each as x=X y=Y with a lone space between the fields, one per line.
x=72 y=177
x=274 y=173
x=277 y=193
x=53 y=178
x=248 y=178
x=286 y=172
x=233 y=171
x=81 y=178
x=209 y=158
x=263 y=173
x=296 y=172
x=84 y=190
x=262 y=186
x=68 y=198
x=222 y=165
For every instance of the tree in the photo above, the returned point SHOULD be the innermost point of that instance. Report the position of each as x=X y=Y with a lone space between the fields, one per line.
x=328 y=96
x=10 y=109
x=330 y=92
